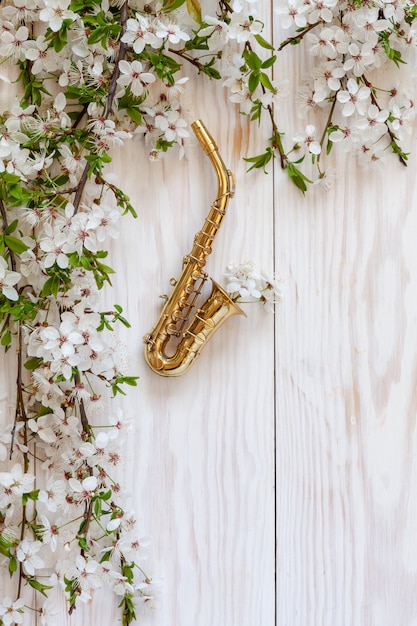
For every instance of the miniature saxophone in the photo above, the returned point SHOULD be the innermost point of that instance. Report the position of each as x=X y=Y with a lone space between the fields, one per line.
x=181 y=321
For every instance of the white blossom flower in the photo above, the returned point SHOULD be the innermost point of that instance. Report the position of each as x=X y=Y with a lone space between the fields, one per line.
x=133 y=76
x=327 y=43
x=177 y=126
x=14 y=44
x=85 y=489
x=27 y=554
x=81 y=234
x=17 y=481
x=331 y=72
x=47 y=614
x=171 y=31
x=139 y=33
x=309 y=140
x=400 y=121
x=242 y=28
x=354 y=98
x=21 y=11
x=87 y=573
x=321 y=11
x=292 y=13
x=55 y=12
x=53 y=495
x=12 y=612
x=217 y=31
x=373 y=122
x=246 y=284
x=49 y=533
x=43 y=59
x=359 y=59
x=8 y=278
x=42 y=427
x=57 y=246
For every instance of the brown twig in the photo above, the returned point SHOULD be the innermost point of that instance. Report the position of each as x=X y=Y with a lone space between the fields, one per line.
x=389 y=131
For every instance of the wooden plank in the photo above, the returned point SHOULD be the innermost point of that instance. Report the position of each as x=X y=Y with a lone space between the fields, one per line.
x=198 y=465
x=207 y=486
x=346 y=402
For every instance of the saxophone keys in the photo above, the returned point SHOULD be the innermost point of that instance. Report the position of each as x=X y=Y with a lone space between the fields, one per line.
x=183 y=303
x=173 y=282
x=199 y=338
x=177 y=316
x=164 y=296
x=198 y=275
x=209 y=323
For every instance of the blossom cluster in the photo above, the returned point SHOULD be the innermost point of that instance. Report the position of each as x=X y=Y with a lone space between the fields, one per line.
x=245 y=283
x=70 y=355
x=352 y=46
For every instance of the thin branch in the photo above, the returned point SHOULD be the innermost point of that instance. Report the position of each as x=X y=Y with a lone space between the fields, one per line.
x=120 y=56
x=5 y=225
x=297 y=38
x=109 y=105
x=389 y=131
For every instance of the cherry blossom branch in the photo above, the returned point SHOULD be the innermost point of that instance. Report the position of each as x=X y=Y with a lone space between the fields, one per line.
x=397 y=149
x=120 y=56
x=297 y=38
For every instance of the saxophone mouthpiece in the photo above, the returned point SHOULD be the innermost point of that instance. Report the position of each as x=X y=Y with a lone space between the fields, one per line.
x=205 y=140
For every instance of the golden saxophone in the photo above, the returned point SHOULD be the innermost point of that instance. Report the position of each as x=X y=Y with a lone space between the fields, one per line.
x=181 y=321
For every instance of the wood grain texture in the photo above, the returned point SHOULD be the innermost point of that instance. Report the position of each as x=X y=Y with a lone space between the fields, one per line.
x=199 y=464
x=346 y=401
x=338 y=371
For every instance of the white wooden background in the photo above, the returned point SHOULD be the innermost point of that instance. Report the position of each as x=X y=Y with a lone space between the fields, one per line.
x=325 y=395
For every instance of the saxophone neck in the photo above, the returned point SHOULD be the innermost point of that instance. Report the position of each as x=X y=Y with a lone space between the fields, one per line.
x=226 y=178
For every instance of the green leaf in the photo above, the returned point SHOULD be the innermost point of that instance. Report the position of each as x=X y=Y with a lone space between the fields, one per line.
x=265 y=81
x=134 y=115
x=51 y=287
x=96 y=35
x=253 y=61
x=33 y=363
x=260 y=161
x=44 y=410
x=15 y=244
x=11 y=179
x=263 y=42
x=253 y=81
x=171 y=5
x=329 y=146
x=97 y=508
x=60 y=180
x=11 y=227
x=269 y=62
x=256 y=111
x=6 y=339
x=297 y=177
x=33 y=495
x=194 y=9
x=39 y=586
x=83 y=544
x=12 y=565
